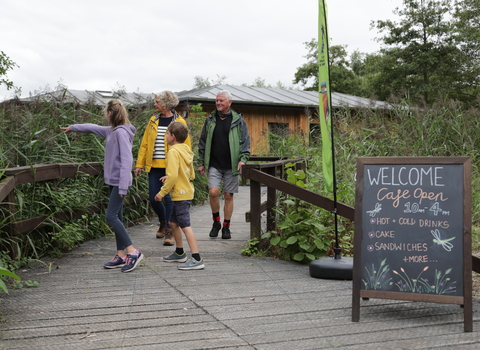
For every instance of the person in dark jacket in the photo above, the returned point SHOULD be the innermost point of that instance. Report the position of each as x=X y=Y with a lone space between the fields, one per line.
x=223 y=149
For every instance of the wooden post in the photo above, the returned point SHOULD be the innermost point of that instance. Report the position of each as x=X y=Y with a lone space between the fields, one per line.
x=255 y=214
x=271 y=201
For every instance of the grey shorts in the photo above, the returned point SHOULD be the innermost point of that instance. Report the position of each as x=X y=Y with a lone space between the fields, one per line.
x=181 y=213
x=230 y=181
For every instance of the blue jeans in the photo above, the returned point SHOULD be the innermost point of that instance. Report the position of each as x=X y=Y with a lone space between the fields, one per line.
x=154 y=185
x=114 y=217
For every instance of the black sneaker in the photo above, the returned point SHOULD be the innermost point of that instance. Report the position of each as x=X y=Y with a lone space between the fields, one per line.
x=226 y=233
x=215 y=228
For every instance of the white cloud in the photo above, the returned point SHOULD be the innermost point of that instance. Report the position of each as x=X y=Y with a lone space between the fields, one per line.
x=156 y=45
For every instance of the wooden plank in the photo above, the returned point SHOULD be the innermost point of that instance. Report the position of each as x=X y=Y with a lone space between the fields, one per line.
x=475 y=264
x=428 y=298
x=39 y=221
x=94 y=168
x=6 y=186
x=309 y=196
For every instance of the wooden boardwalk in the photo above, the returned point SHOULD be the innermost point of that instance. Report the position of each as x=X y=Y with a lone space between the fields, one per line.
x=236 y=302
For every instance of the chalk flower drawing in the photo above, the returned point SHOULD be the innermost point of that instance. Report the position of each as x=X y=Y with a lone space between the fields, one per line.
x=441 y=283
x=377 y=278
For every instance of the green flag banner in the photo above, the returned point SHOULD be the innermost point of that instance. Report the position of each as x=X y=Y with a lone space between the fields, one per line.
x=324 y=96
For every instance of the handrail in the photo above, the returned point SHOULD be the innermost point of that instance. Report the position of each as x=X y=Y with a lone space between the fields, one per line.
x=38 y=173
x=270 y=174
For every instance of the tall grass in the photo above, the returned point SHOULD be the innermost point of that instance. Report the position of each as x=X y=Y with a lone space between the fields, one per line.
x=444 y=130
x=31 y=135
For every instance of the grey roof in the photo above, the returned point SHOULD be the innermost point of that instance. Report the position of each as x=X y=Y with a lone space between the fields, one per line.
x=241 y=94
x=271 y=96
x=96 y=97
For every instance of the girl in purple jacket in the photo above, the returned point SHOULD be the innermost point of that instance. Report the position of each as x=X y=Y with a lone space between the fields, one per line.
x=118 y=162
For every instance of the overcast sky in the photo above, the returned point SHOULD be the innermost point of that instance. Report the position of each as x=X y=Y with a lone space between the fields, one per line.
x=154 y=45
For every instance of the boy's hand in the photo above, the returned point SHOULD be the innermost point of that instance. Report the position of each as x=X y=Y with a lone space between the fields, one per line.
x=163 y=178
x=158 y=198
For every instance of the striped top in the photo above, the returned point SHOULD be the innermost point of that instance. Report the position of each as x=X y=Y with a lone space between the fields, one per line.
x=159 y=149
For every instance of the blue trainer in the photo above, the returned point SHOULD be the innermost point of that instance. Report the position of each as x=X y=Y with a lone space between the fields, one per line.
x=174 y=257
x=192 y=264
x=117 y=261
x=132 y=261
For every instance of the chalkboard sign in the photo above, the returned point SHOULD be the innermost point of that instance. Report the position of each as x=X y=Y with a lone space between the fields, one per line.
x=413 y=231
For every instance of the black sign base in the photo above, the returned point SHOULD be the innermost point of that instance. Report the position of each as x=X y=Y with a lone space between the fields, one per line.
x=329 y=268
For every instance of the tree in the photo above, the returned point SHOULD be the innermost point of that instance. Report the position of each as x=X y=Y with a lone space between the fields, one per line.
x=259 y=82
x=6 y=64
x=342 y=78
x=467 y=38
x=201 y=82
x=419 y=50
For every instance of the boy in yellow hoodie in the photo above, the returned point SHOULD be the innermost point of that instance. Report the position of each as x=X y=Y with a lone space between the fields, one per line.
x=179 y=183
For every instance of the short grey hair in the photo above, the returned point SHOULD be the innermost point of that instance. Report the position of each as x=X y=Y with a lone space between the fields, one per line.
x=227 y=94
x=167 y=99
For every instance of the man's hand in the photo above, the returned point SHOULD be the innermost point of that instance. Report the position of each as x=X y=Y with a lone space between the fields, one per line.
x=201 y=169
x=240 y=165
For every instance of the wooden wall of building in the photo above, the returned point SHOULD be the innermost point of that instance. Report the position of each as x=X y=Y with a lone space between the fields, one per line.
x=259 y=118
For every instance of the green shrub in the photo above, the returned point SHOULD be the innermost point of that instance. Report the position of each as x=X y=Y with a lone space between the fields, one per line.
x=304 y=231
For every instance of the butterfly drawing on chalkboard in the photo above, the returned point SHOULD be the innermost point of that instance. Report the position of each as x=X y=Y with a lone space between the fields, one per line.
x=445 y=243
x=375 y=211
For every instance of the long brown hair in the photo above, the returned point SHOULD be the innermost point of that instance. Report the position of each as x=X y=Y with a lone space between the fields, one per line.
x=118 y=113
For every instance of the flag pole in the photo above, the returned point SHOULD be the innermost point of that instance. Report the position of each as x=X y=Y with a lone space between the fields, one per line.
x=330 y=267
x=337 y=250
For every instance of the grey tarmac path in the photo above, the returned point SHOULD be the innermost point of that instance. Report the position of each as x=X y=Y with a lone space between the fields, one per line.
x=236 y=302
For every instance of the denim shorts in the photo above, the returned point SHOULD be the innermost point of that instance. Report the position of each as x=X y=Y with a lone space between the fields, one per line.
x=181 y=213
x=216 y=176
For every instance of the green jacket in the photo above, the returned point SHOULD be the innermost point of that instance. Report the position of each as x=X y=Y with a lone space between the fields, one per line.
x=238 y=138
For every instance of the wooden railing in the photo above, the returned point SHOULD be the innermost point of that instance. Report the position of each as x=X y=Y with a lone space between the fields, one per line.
x=38 y=173
x=272 y=176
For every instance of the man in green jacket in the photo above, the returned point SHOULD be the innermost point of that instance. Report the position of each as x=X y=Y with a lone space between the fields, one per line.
x=223 y=149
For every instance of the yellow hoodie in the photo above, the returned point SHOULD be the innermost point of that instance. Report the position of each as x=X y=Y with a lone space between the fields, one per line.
x=180 y=173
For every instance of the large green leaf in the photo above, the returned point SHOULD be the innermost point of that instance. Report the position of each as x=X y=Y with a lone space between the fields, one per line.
x=292 y=240
x=299 y=256
x=5 y=272
x=275 y=240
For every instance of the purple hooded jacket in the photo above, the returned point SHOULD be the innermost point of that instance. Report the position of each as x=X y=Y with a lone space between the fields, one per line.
x=118 y=161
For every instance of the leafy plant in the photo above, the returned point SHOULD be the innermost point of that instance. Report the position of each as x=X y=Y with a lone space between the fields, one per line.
x=251 y=247
x=5 y=272
x=299 y=232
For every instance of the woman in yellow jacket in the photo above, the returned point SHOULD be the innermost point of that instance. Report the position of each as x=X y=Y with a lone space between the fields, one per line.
x=152 y=157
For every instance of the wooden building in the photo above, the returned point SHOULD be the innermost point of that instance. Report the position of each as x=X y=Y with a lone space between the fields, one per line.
x=270 y=111
x=267 y=111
